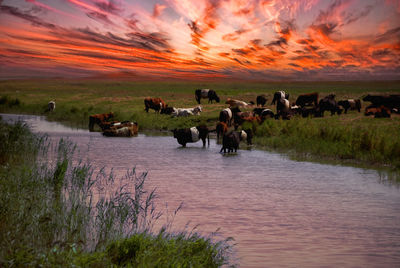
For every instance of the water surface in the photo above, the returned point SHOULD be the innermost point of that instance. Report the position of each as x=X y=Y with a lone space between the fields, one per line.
x=282 y=213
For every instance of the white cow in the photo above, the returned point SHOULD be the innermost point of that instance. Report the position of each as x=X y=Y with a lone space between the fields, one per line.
x=51 y=106
x=187 y=111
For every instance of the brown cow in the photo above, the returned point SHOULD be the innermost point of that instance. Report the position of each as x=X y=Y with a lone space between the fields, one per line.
x=221 y=129
x=99 y=119
x=122 y=129
x=154 y=103
x=236 y=103
x=378 y=112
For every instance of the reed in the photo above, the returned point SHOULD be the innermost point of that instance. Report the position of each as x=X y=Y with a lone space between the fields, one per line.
x=55 y=211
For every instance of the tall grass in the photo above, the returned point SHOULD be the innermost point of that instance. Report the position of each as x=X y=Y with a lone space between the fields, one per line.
x=54 y=211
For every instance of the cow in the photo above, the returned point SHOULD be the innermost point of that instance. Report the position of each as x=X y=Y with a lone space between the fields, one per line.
x=307 y=111
x=121 y=129
x=193 y=134
x=389 y=101
x=307 y=99
x=226 y=115
x=264 y=112
x=157 y=104
x=236 y=103
x=231 y=140
x=221 y=129
x=51 y=106
x=279 y=95
x=261 y=100
x=328 y=104
x=99 y=119
x=377 y=111
x=167 y=110
x=187 y=111
x=238 y=117
x=206 y=93
x=282 y=105
x=351 y=104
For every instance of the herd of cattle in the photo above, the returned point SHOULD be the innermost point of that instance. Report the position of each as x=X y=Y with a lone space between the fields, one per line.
x=306 y=105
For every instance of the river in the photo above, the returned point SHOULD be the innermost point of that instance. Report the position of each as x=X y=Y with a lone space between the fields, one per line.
x=281 y=213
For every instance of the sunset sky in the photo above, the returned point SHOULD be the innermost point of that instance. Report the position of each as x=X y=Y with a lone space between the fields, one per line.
x=201 y=39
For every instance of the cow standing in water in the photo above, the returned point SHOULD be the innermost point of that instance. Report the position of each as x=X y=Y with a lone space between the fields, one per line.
x=232 y=139
x=190 y=135
x=99 y=119
x=206 y=93
x=221 y=129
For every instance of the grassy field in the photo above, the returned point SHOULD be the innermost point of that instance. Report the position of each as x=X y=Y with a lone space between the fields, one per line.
x=51 y=216
x=352 y=138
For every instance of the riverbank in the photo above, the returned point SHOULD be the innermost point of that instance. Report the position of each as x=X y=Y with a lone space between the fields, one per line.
x=350 y=138
x=51 y=215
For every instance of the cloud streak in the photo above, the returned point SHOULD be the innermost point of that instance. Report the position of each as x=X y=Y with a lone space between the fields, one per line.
x=204 y=38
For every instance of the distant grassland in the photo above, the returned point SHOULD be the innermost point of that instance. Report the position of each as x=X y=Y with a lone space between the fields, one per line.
x=352 y=138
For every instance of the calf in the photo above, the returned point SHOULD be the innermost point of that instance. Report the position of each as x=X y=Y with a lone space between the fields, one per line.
x=193 y=134
x=99 y=119
x=157 y=104
x=206 y=93
x=350 y=104
x=232 y=139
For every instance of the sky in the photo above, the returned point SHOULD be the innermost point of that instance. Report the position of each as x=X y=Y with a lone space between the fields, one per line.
x=201 y=39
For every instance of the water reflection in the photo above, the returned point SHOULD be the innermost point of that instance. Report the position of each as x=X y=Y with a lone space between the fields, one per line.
x=281 y=212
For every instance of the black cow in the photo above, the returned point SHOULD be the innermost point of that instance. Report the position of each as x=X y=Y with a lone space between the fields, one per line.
x=350 y=104
x=232 y=139
x=328 y=104
x=307 y=99
x=261 y=100
x=167 y=110
x=206 y=93
x=263 y=112
x=193 y=134
x=390 y=101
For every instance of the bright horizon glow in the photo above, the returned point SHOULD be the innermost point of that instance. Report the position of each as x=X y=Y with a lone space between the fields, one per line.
x=202 y=39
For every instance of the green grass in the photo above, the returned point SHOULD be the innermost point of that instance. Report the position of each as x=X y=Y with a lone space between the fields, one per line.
x=52 y=216
x=350 y=138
